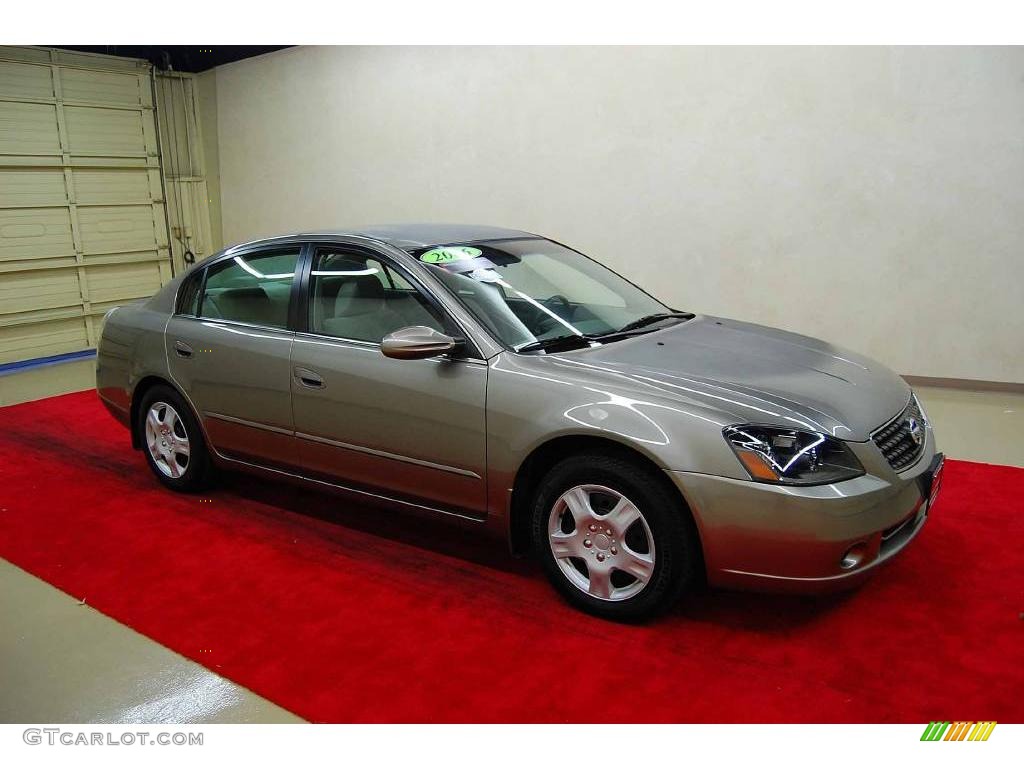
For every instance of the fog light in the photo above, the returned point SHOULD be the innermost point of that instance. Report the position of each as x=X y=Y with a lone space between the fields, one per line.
x=854 y=556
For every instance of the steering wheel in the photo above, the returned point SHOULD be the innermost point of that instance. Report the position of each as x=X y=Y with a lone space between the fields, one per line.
x=559 y=299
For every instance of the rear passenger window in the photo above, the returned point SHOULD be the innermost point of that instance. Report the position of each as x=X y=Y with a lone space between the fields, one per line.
x=251 y=288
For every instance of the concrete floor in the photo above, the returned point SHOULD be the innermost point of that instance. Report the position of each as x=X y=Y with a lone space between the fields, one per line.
x=976 y=426
x=65 y=662
x=50 y=380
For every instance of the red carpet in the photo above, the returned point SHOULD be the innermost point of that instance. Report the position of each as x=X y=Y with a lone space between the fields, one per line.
x=344 y=613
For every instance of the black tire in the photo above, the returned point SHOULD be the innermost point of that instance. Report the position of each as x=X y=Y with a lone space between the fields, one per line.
x=675 y=541
x=197 y=473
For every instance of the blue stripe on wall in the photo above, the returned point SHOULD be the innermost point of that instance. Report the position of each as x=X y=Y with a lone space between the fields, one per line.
x=41 y=362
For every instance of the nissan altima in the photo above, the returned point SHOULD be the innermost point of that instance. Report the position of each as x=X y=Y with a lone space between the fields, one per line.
x=509 y=383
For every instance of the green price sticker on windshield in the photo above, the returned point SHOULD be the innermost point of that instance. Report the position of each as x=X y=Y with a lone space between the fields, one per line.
x=450 y=254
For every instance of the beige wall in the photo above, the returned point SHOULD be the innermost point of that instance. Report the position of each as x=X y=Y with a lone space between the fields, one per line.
x=870 y=196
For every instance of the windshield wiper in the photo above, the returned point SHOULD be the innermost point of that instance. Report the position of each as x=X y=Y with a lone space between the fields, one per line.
x=568 y=341
x=575 y=341
x=646 y=320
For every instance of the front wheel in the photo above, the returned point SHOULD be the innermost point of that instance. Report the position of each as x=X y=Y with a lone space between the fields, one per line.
x=612 y=538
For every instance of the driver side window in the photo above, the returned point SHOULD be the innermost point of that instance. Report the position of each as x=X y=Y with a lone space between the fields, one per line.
x=353 y=295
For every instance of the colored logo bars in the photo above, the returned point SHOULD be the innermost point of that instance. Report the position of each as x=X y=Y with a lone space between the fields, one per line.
x=958 y=731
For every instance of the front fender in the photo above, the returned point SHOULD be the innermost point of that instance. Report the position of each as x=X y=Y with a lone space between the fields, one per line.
x=533 y=400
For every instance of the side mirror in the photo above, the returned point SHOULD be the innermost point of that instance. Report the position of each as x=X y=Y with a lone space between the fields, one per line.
x=417 y=342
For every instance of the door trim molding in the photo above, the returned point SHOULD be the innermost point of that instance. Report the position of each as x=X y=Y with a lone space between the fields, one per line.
x=388 y=455
x=247 y=423
x=346 y=446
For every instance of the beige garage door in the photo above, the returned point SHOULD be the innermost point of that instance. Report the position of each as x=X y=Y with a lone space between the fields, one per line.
x=82 y=222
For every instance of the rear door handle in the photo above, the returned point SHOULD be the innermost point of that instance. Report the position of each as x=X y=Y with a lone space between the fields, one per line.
x=182 y=349
x=308 y=378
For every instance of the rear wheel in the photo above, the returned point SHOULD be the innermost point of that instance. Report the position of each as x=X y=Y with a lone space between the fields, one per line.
x=172 y=441
x=612 y=538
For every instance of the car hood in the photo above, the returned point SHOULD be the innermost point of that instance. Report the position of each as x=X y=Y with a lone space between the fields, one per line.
x=757 y=374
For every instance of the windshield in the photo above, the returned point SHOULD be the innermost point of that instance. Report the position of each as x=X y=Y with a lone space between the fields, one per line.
x=532 y=290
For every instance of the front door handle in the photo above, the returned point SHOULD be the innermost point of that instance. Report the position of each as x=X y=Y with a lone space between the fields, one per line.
x=308 y=378
x=182 y=349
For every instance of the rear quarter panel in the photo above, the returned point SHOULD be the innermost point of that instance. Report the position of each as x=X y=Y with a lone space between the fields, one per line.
x=131 y=348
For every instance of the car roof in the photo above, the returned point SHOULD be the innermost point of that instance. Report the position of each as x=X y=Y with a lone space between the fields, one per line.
x=411 y=236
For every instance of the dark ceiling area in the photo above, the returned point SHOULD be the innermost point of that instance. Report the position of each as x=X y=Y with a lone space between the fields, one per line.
x=180 y=58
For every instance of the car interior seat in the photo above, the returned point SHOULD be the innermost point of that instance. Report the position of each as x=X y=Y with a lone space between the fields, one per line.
x=260 y=304
x=359 y=309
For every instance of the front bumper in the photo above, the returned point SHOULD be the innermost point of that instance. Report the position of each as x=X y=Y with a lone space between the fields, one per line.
x=794 y=539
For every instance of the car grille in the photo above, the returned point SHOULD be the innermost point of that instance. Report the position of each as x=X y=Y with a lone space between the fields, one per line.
x=895 y=439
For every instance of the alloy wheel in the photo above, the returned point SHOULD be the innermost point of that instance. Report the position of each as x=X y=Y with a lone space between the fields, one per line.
x=167 y=440
x=601 y=542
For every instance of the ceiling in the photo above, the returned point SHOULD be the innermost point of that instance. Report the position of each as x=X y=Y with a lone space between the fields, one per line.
x=181 y=58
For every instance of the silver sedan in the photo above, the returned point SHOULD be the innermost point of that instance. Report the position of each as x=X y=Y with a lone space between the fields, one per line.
x=508 y=383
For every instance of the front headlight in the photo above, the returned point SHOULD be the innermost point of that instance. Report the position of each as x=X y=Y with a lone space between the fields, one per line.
x=791 y=456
